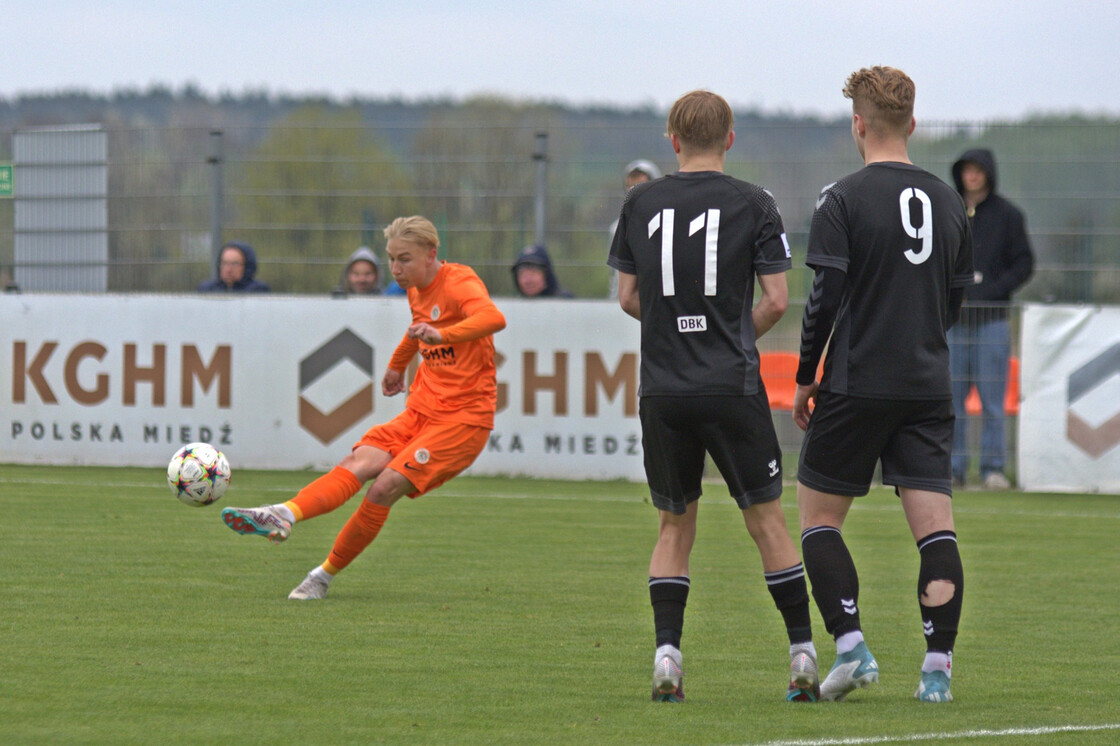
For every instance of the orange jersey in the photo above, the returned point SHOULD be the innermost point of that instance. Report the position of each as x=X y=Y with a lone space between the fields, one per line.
x=456 y=380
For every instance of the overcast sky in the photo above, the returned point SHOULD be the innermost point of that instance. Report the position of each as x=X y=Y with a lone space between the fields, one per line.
x=970 y=60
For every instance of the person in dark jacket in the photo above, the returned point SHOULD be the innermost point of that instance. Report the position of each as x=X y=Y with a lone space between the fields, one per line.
x=237 y=269
x=533 y=275
x=362 y=274
x=980 y=343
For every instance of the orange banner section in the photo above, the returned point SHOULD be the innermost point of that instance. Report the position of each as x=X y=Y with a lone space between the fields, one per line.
x=1010 y=400
x=779 y=372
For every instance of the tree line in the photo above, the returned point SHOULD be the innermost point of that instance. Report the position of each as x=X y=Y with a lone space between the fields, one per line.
x=307 y=180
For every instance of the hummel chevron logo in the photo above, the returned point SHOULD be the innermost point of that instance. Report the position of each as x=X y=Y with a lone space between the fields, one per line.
x=849 y=605
x=824 y=193
x=927 y=628
x=816 y=293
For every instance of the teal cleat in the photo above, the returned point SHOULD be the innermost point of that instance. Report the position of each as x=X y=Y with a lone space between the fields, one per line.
x=934 y=687
x=853 y=670
x=262 y=521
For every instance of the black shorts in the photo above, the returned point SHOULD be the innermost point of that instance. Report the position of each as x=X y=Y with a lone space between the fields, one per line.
x=847 y=435
x=736 y=430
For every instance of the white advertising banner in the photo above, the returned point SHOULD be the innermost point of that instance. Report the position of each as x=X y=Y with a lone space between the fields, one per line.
x=1069 y=420
x=292 y=382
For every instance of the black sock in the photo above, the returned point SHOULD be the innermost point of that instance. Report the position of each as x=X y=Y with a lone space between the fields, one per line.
x=791 y=596
x=668 y=597
x=834 y=578
x=941 y=560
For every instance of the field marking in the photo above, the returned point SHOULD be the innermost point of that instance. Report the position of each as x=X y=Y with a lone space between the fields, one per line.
x=786 y=506
x=444 y=492
x=985 y=733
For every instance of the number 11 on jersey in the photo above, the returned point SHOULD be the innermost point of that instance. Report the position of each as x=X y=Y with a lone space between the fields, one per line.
x=665 y=221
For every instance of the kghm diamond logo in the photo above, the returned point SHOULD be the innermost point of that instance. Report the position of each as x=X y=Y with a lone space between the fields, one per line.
x=346 y=346
x=1083 y=382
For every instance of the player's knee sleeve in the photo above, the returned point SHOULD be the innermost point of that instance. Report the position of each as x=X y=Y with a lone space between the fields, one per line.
x=940 y=589
x=833 y=577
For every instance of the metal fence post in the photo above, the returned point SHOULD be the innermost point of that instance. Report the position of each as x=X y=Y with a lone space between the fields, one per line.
x=215 y=161
x=540 y=155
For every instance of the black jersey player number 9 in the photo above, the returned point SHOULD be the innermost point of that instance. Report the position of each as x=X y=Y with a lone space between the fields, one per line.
x=925 y=231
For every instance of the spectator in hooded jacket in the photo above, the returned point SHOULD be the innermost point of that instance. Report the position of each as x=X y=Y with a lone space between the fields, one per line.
x=362 y=275
x=980 y=343
x=533 y=275
x=237 y=268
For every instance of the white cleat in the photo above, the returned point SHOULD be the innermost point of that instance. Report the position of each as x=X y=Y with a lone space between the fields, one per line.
x=311 y=588
x=804 y=685
x=667 y=675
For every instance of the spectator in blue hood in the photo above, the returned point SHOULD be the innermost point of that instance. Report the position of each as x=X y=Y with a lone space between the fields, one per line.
x=237 y=266
x=533 y=275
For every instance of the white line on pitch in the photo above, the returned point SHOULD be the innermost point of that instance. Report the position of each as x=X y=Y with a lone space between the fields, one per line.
x=444 y=492
x=911 y=738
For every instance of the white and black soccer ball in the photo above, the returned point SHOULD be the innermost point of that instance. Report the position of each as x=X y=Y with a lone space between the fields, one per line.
x=198 y=474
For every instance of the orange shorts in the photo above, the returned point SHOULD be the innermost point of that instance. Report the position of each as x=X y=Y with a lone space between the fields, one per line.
x=426 y=452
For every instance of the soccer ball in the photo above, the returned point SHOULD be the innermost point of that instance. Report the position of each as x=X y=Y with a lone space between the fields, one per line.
x=199 y=474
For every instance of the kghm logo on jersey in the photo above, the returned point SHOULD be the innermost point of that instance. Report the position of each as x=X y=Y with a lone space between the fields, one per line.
x=692 y=323
x=434 y=356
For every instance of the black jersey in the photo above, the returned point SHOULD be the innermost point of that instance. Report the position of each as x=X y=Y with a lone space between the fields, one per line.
x=902 y=237
x=695 y=241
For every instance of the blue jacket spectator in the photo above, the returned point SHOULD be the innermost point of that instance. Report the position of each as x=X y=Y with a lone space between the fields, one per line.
x=236 y=270
x=394 y=289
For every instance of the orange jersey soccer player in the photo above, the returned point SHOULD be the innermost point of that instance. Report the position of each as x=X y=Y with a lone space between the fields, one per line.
x=446 y=422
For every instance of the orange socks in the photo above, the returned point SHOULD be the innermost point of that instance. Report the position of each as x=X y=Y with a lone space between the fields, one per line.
x=324 y=494
x=329 y=492
x=358 y=533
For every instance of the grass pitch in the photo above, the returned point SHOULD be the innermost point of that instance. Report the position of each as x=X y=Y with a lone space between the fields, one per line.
x=516 y=611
